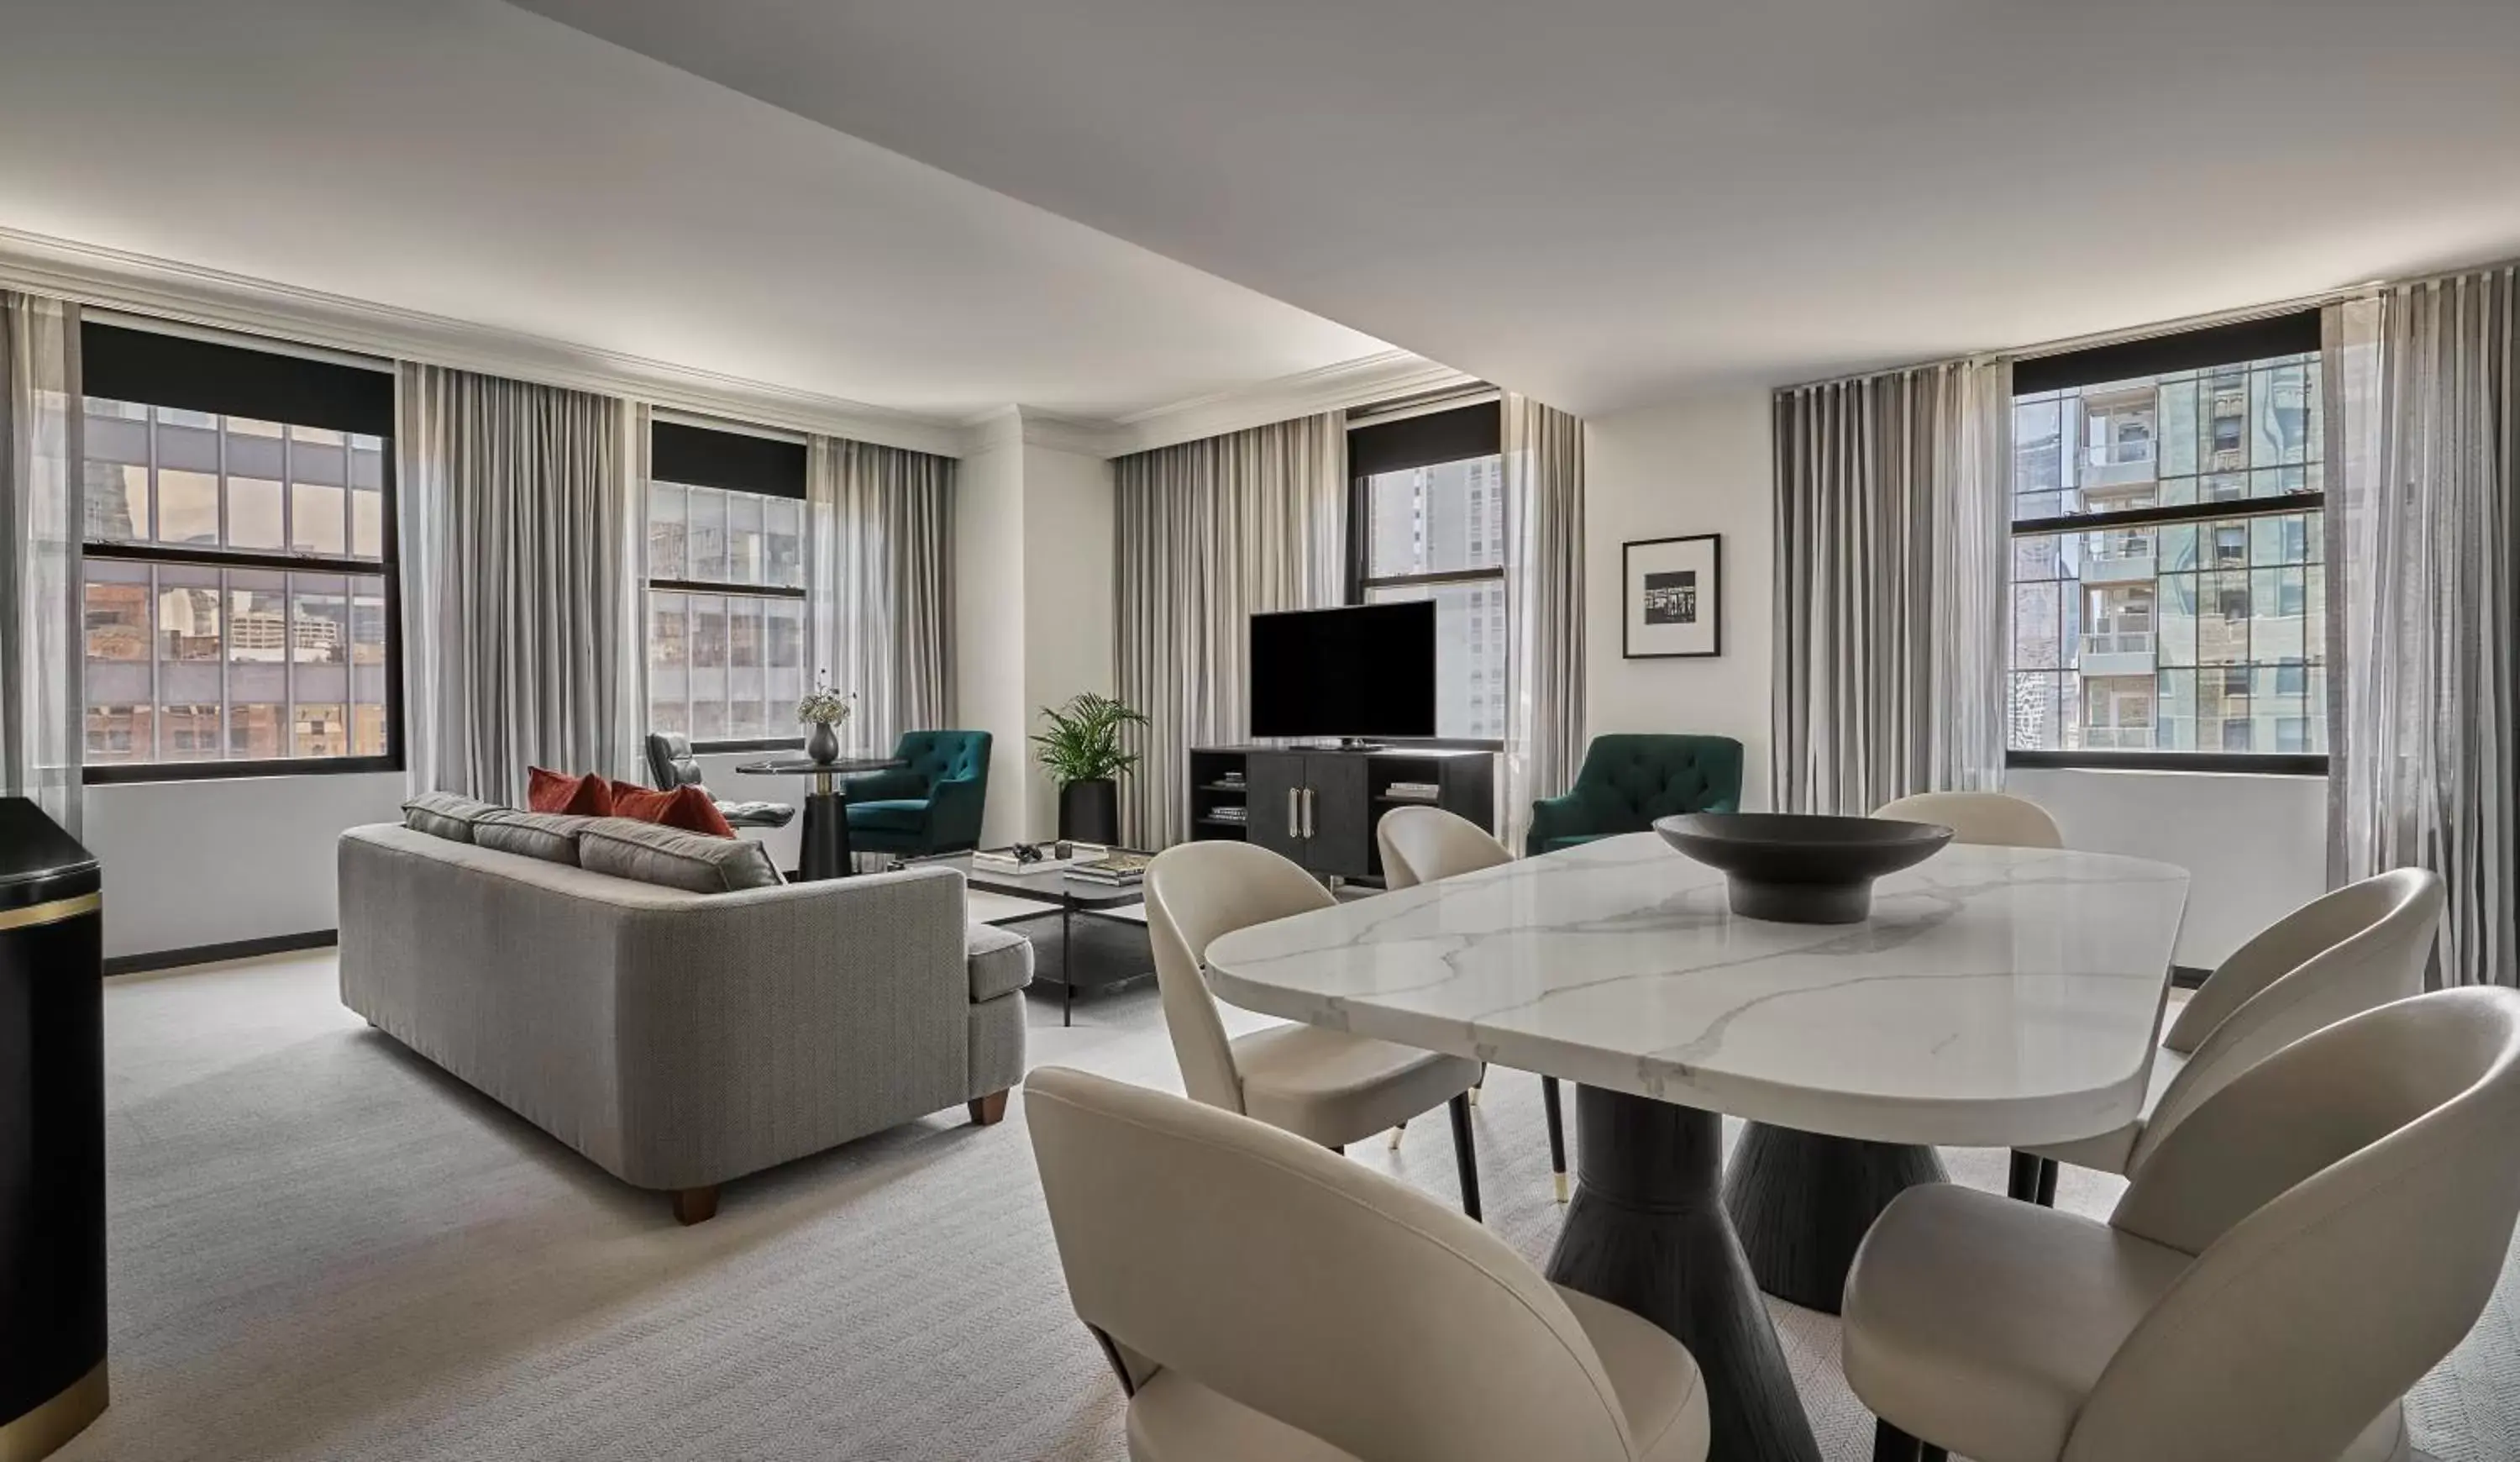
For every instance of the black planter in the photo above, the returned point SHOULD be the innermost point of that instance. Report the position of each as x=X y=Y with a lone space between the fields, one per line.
x=1090 y=811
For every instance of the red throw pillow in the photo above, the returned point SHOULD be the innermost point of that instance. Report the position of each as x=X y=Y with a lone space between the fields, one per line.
x=686 y=808
x=589 y=795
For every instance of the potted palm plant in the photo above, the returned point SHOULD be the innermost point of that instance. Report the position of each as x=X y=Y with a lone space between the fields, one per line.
x=1082 y=749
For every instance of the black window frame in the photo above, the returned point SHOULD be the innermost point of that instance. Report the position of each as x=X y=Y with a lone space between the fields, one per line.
x=2296 y=333
x=682 y=454
x=237 y=379
x=1428 y=438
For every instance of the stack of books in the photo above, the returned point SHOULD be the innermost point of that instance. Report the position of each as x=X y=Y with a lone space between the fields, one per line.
x=1228 y=812
x=1119 y=870
x=1414 y=792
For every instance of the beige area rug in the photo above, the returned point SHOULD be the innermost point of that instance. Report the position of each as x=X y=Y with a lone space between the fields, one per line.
x=324 y=1247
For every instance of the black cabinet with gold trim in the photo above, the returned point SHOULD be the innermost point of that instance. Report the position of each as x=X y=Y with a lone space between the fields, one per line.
x=52 y=1135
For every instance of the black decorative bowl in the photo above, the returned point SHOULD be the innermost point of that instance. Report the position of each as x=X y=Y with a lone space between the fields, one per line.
x=1798 y=869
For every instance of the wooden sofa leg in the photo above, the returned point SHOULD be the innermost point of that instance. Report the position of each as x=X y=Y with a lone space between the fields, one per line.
x=694 y=1205
x=988 y=1110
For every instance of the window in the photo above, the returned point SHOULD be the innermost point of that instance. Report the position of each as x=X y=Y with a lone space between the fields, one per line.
x=1426 y=521
x=726 y=587
x=239 y=582
x=2168 y=594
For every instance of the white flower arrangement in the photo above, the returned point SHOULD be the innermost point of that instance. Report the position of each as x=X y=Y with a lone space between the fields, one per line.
x=826 y=706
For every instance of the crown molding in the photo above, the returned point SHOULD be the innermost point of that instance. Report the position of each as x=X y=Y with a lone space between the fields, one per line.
x=190 y=294
x=1380 y=377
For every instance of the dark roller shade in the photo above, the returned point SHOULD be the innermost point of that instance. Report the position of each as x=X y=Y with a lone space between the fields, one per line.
x=1424 y=440
x=2188 y=350
x=122 y=364
x=699 y=457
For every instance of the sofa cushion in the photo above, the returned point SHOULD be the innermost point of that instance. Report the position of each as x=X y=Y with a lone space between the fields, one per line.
x=549 y=836
x=584 y=796
x=689 y=807
x=672 y=858
x=444 y=814
x=888 y=816
x=1001 y=961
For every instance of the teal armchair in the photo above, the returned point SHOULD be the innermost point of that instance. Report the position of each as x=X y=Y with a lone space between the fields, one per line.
x=1630 y=780
x=932 y=806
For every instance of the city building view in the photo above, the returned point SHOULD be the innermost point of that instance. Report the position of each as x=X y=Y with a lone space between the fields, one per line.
x=190 y=660
x=1444 y=526
x=728 y=665
x=2170 y=626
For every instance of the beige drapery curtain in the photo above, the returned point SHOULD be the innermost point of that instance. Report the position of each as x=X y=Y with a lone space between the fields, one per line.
x=878 y=570
x=41 y=644
x=2423 y=423
x=1543 y=485
x=1208 y=533
x=1890 y=521
x=522 y=533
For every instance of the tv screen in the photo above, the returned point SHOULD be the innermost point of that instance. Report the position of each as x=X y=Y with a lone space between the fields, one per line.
x=1368 y=670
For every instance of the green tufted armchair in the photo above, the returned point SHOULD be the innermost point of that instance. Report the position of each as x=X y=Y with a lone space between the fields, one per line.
x=932 y=806
x=1630 y=780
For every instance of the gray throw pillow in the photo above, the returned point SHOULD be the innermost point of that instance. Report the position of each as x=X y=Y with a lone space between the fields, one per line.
x=669 y=857
x=549 y=836
x=444 y=814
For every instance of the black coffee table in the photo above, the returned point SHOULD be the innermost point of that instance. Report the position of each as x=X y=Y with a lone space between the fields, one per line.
x=1071 y=897
x=825 y=850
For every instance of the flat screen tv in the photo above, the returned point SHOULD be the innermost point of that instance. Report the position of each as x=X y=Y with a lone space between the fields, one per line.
x=1366 y=671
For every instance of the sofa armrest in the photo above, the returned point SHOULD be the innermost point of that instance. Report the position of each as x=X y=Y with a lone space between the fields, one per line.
x=953 y=807
x=1001 y=962
x=1554 y=817
x=757 y=1026
x=900 y=785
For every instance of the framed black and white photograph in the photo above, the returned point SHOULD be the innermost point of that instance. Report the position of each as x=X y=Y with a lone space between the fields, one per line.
x=1674 y=597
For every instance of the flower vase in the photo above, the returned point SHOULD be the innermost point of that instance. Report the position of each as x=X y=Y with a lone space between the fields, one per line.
x=823 y=745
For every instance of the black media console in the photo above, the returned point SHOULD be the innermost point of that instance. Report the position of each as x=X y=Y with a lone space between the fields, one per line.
x=1318 y=806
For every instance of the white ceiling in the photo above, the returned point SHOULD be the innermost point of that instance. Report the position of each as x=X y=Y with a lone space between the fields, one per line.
x=468 y=160
x=1605 y=201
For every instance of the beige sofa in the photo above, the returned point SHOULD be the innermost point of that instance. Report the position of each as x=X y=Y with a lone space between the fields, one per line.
x=681 y=1040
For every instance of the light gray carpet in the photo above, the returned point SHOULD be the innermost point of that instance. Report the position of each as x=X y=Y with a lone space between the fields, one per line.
x=323 y=1248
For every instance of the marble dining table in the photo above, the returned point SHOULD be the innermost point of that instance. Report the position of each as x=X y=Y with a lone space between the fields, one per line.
x=1994 y=997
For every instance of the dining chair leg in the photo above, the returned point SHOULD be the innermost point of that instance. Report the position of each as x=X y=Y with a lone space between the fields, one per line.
x=1890 y=1445
x=1556 y=1135
x=1928 y=1452
x=2022 y=1186
x=2046 y=1198
x=1396 y=1130
x=1464 y=1156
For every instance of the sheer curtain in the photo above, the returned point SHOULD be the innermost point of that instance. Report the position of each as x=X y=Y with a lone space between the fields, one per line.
x=521 y=526
x=1208 y=533
x=2423 y=414
x=1890 y=523
x=877 y=567
x=41 y=652
x=1543 y=485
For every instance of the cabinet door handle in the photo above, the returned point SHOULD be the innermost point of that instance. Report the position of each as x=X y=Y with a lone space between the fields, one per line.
x=1295 y=812
x=1308 y=812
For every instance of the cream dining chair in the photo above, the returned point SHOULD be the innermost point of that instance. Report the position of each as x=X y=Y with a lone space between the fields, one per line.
x=1996 y=818
x=1263 y=1301
x=1422 y=844
x=1326 y=1087
x=2307 y=1245
x=2338 y=955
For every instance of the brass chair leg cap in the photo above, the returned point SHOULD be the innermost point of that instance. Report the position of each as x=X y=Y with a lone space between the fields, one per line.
x=1559 y=1179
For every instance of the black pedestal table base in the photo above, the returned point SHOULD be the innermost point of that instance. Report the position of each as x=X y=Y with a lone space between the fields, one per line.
x=1647 y=1231
x=1802 y=1203
x=824 y=847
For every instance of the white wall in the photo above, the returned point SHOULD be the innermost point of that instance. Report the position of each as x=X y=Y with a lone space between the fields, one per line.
x=1068 y=603
x=215 y=862
x=2254 y=846
x=1689 y=467
x=1032 y=607
x=989 y=622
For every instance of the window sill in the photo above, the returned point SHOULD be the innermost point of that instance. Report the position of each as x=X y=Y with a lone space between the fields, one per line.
x=123 y=774
x=753 y=744
x=2225 y=763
